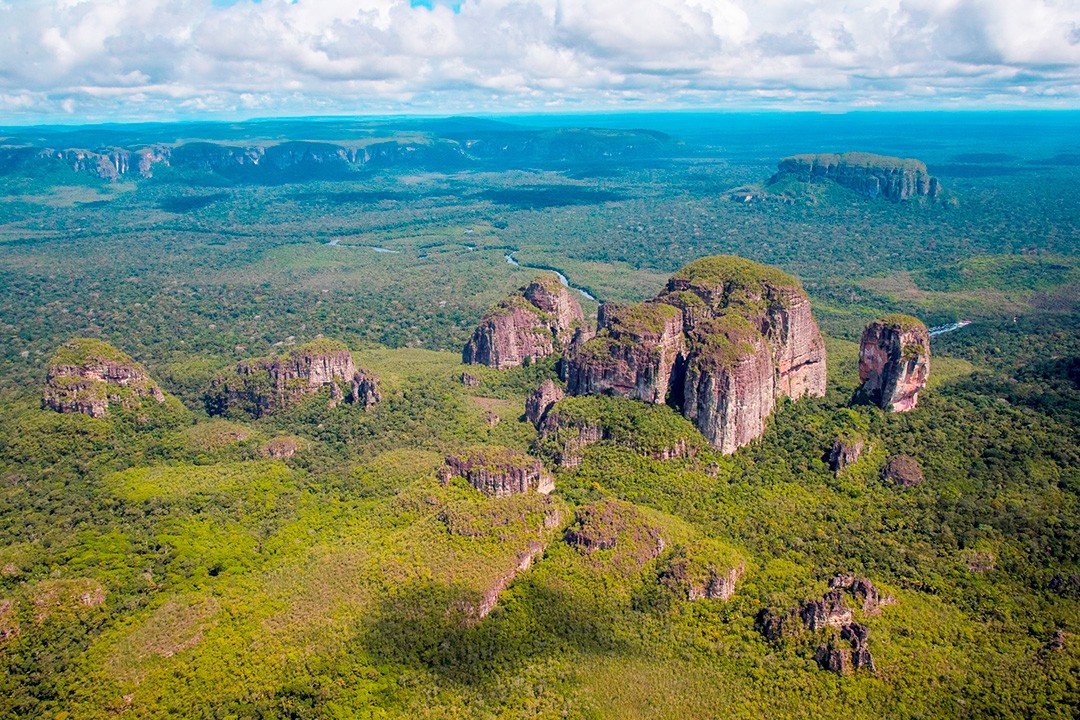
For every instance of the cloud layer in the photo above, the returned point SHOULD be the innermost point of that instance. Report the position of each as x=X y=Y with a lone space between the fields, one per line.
x=154 y=59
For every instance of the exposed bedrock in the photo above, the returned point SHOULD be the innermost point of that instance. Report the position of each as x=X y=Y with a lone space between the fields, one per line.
x=532 y=323
x=894 y=363
x=722 y=343
x=498 y=471
x=898 y=179
x=265 y=385
x=85 y=375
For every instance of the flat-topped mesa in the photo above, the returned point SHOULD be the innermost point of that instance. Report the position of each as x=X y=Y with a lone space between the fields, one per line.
x=534 y=322
x=898 y=179
x=264 y=385
x=894 y=363
x=633 y=355
x=771 y=300
x=498 y=471
x=85 y=375
x=722 y=342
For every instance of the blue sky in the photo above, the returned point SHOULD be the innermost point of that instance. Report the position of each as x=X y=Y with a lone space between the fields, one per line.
x=93 y=60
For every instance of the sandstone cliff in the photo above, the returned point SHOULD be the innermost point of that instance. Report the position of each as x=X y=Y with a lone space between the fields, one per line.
x=894 y=363
x=533 y=323
x=541 y=400
x=266 y=385
x=897 y=179
x=703 y=569
x=85 y=375
x=722 y=342
x=498 y=471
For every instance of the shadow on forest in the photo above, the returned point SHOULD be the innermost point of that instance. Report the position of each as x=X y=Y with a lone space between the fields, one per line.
x=427 y=625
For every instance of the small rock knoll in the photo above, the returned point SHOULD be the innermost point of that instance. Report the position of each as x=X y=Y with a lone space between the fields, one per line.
x=85 y=375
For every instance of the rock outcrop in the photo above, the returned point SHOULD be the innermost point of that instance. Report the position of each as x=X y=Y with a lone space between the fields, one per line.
x=85 y=375
x=633 y=355
x=703 y=570
x=541 y=400
x=722 y=343
x=266 y=385
x=897 y=179
x=902 y=470
x=894 y=363
x=533 y=323
x=498 y=471
x=574 y=423
x=845 y=451
x=618 y=526
x=845 y=647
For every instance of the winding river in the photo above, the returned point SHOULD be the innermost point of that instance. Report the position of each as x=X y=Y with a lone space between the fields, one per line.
x=510 y=260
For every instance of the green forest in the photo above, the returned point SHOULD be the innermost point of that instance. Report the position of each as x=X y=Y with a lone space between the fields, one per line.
x=188 y=558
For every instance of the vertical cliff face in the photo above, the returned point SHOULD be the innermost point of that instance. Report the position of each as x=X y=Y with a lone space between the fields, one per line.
x=898 y=179
x=85 y=375
x=532 y=323
x=498 y=471
x=266 y=385
x=722 y=342
x=541 y=400
x=730 y=382
x=894 y=363
x=633 y=355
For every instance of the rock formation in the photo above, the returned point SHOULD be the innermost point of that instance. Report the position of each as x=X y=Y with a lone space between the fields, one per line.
x=85 y=375
x=265 y=385
x=633 y=355
x=897 y=179
x=846 y=646
x=573 y=423
x=533 y=323
x=703 y=570
x=902 y=470
x=498 y=471
x=845 y=451
x=722 y=343
x=618 y=526
x=894 y=363
x=541 y=400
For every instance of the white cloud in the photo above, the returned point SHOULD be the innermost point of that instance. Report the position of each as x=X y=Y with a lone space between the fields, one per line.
x=138 y=58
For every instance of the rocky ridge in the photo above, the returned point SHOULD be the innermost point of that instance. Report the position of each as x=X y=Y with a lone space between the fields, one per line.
x=85 y=375
x=897 y=179
x=532 y=323
x=894 y=363
x=266 y=385
x=722 y=343
x=498 y=471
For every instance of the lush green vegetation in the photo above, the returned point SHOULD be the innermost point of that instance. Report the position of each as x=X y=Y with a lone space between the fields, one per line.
x=184 y=566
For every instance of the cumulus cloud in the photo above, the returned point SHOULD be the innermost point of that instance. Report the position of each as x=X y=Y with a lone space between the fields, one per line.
x=133 y=59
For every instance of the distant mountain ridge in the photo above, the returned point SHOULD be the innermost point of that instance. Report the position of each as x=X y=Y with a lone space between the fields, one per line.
x=454 y=145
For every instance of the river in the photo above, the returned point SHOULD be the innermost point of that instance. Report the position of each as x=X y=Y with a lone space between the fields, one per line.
x=510 y=260
x=942 y=329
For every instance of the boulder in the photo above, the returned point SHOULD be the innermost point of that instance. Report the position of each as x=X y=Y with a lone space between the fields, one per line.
x=902 y=470
x=845 y=451
x=894 y=363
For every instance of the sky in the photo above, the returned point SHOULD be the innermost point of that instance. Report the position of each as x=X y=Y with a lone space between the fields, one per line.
x=135 y=60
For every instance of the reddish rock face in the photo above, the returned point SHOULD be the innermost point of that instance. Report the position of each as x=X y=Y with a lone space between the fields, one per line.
x=633 y=355
x=532 y=323
x=894 y=363
x=365 y=388
x=729 y=388
x=498 y=471
x=541 y=400
x=738 y=335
